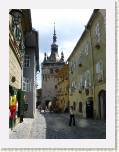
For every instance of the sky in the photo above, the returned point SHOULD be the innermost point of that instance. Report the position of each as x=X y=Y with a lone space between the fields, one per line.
x=69 y=25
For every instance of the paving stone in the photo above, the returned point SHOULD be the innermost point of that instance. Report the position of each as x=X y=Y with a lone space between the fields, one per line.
x=55 y=126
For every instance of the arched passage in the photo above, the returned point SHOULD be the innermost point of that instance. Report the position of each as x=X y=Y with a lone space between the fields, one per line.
x=102 y=104
x=89 y=107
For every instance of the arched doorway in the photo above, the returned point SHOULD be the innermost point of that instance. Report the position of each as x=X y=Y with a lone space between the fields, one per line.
x=102 y=104
x=47 y=103
x=89 y=107
x=74 y=105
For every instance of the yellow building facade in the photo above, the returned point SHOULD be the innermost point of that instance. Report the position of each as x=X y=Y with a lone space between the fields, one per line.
x=62 y=89
x=19 y=24
x=87 y=70
x=19 y=20
x=15 y=67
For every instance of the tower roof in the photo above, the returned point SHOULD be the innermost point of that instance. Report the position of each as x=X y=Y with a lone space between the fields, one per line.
x=54 y=46
x=54 y=57
x=54 y=35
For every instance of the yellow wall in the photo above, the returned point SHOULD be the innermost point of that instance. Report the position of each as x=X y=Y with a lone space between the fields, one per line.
x=88 y=63
x=62 y=85
x=14 y=70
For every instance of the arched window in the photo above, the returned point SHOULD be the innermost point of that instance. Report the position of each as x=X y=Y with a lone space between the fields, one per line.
x=97 y=32
x=99 y=71
x=87 y=79
x=51 y=71
x=80 y=106
x=74 y=105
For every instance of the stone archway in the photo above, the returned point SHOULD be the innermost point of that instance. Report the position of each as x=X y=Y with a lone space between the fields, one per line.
x=89 y=107
x=102 y=104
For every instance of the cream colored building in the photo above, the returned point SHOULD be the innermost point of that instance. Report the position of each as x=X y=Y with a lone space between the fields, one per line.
x=87 y=70
x=15 y=51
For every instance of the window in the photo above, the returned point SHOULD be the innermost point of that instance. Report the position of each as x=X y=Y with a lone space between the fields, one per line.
x=87 y=48
x=80 y=83
x=26 y=85
x=18 y=34
x=51 y=71
x=80 y=106
x=73 y=85
x=55 y=86
x=57 y=70
x=81 y=51
x=99 y=67
x=87 y=82
x=22 y=48
x=99 y=71
x=71 y=67
x=74 y=65
x=43 y=76
x=97 y=32
x=74 y=105
x=27 y=61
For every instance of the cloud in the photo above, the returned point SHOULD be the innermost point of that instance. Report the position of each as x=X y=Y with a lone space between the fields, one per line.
x=67 y=48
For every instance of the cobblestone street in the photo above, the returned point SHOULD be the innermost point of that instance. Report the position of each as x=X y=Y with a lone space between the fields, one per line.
x=55 y=126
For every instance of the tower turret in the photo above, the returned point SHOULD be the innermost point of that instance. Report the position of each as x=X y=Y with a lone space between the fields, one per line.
x=54 y=46
x=62 y=57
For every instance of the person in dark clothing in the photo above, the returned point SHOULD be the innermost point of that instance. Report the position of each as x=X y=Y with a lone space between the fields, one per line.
x=21 y=104
x=72 y=116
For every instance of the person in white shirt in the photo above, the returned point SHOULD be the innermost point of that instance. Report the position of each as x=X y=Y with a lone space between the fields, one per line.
x=72 y=116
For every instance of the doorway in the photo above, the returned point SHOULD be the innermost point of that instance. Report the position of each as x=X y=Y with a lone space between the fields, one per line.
x=102 y=104
x=89 y=107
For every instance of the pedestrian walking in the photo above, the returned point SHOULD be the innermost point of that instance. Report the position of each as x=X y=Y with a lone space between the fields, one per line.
x=39 y=108
x=72 y=116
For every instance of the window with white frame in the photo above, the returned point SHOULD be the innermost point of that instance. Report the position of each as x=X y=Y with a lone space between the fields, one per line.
x=97 y=32
x=26 y=84
x=87 y=82
x=99 y=70
x=87 y=48
x=73 y=85
x=18 y=34
x=74 y=65
x=27 y=61
x=81 y=52
x=81 y=82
